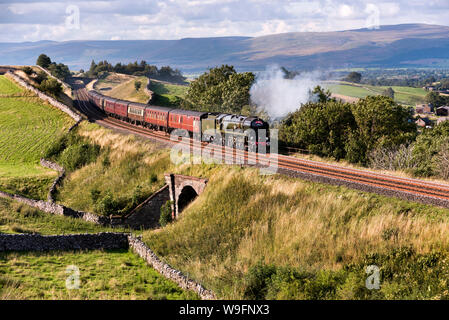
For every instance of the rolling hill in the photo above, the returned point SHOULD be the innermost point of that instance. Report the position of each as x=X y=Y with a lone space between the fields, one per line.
x=406 y=45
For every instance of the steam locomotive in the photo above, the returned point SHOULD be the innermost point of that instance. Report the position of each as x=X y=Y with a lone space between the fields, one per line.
x=232 y=130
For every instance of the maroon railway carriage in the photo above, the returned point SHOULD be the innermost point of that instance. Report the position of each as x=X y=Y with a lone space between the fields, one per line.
x=136 y=112
x=109 y=105
x=157 y=117
x=97 y=99
x=121 y=109
x=185 y=119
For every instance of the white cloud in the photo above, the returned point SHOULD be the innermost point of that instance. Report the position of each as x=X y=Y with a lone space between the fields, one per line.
x=27 y=20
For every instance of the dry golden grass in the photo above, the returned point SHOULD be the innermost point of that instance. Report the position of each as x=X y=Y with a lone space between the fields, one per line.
x=121 y=86
x=244 y=218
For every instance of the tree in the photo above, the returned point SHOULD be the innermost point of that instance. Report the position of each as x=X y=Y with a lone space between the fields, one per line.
x=322 y=94
x=43 y=60
x=388 y=93
x=436 y=99
x=353 y=77
x=51 y=86
x=29 y=71
x=288 y=74
x=137 y=85
x=60 y=71
x=380 y=123
x=40 y=76
x=430 y=150
x=92 y=68
x=319 y=127
x=221 y=89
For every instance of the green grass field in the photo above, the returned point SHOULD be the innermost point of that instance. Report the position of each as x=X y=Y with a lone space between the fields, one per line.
x=404 y=95
x=27 y=127
x=20 y=218
x=111 y=275
x=167 y=94
x=7 y=87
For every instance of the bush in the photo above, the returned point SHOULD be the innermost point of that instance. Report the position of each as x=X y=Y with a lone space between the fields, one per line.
x=28 y=70
x=79 y=155
x=257 y=280
x=166 y=214
x=51 y=86
x=95 y=195
x=72 y=151
x=40 y=77
x=107 y=205
x=153 y=178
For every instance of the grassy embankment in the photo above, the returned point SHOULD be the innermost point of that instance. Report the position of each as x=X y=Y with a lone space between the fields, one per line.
x=121 y=86
x=125 y=172
x=42 y=275
x=252 y=236
x=27 y=127
x=404 y=95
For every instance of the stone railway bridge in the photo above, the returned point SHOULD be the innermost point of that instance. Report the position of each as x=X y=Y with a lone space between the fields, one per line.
x=183 y=190
x=180 y=189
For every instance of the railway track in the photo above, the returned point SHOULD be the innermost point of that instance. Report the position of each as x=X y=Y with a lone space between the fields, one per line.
x=406 y=188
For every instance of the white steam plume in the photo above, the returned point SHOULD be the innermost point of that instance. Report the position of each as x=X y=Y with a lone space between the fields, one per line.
x=278 y=96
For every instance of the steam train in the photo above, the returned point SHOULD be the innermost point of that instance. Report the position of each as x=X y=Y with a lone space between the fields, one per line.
x=232 y=130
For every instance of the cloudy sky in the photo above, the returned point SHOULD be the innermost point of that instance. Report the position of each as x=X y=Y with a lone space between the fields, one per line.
x=174 y=19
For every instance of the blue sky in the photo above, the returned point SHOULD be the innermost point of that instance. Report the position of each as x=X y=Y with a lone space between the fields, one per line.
x=175 y=19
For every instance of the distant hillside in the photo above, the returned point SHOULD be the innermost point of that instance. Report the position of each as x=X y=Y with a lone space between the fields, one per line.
x=407 y=45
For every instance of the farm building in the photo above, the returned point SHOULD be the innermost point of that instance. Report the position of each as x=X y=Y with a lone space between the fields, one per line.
x=423 y=122
x=443 y=111
x=424 y=108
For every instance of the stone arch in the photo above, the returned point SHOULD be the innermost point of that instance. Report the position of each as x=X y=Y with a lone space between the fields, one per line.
x=183 y=190
x=187 y=195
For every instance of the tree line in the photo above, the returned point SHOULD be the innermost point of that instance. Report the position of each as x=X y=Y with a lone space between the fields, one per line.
x=58 y=70
x=142 y=68
x=375 y=132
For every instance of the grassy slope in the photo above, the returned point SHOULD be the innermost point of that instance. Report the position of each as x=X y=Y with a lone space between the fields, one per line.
x=43 y=276
x=404 y=95
x=121 y=86
x=129 y=164
x=27 y=127
x=244 y=218
x=167 y=94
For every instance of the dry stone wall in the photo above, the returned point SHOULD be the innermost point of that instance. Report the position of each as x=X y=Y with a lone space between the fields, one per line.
x=166 y=270
x=102 y=241
x=57 y=182
x=35 y=242
x=57 y=209
x=44 y=97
